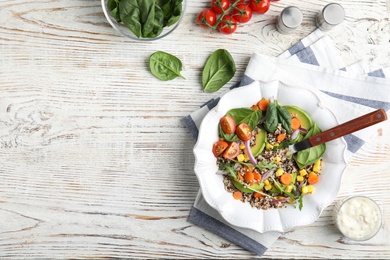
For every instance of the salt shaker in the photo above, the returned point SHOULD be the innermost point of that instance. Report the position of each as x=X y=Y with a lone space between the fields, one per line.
x=289 y=19
x=330 y=16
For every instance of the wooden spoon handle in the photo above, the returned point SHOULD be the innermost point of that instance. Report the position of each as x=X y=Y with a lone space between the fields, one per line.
x=349 y=127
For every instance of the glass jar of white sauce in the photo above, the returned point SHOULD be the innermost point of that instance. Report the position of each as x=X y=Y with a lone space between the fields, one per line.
x=358 y=218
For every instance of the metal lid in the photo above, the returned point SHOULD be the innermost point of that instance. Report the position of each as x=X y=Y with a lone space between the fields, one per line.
x=333 y=13
x=291 y=17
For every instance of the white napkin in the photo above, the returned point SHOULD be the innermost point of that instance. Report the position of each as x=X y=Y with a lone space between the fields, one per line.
x=312 y=63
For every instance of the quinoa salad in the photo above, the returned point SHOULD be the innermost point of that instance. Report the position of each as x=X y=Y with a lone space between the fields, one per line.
x=253 y=156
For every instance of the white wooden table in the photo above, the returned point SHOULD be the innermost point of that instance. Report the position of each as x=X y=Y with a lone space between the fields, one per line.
x=94 y=159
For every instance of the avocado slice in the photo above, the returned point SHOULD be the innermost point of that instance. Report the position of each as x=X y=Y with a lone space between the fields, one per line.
x=303 y=117
x=260 y=143
x=254 y=187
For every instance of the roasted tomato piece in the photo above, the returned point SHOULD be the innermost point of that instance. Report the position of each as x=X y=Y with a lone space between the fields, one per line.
x=228 y=124
x=231 y=151
x=244 y=131
x=219 y=147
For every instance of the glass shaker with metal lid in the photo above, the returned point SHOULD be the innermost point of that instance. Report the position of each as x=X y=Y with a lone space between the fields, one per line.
x=289 y=19
x=330 y=16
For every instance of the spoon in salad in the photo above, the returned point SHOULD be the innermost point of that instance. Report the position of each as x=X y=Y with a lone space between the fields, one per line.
x=341 y=130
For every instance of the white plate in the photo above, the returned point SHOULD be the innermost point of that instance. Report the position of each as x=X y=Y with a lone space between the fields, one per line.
x=242 y=214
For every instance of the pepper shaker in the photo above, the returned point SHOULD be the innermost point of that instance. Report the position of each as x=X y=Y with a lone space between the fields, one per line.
x=330 y=16
x=289 y=19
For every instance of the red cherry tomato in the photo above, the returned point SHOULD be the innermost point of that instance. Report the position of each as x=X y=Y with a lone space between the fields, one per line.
x=244 y=131
x=206 y=18
x=219 y=147
x=259 y=6
x=219 y=5
x=228 y=25
x=231 y=151
x=242 y=13
x=228 y=124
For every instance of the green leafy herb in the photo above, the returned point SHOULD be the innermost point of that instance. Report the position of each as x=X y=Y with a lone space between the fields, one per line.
x=276 y=114
x=165 y=66
x=228 y=137
x=146 y=18
x=172 y=10
x=271 y=117
x=219 y=69
x=226 y=167
x=284 y=118
x=311 y=155
x=300 y=200
x=263 y=165
x=247 y=115
x=113 y=7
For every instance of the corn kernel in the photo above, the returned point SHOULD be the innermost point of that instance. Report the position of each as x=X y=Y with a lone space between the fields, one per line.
x=305 y=189
x=310 y=188
x=299 y=178
x=279 y=172
x=268 y=146
x=240 y=157
x=246 y=158
x=291 y=201
x=242 y=146
x=268 y=187
x=266 y=182
x=302 y=172
x=276 y=159
x=289 y=188
x=317 y=166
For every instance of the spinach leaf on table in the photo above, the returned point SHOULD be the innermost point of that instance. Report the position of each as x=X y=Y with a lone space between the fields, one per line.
x=218 y=70
x=165 y=66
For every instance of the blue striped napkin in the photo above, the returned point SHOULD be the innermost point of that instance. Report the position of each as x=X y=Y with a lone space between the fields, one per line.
x=312 y=63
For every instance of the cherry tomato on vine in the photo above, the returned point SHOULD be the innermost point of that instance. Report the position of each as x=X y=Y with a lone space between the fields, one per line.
x=218 y=5
x=228 y=25
x=242 y=13
x=206 y=18
x=259 y=6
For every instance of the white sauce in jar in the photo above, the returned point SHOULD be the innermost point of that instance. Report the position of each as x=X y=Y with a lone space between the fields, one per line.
x=359 y=218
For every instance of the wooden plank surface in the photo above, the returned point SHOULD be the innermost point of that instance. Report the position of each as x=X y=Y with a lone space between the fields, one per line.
x=95 y=161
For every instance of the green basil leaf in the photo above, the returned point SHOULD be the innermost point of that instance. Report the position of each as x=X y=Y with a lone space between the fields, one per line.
x=247 y=115
x=218 y=70
x=271 y=117
x=165 y=66
x=284 y=118
x=311 y=155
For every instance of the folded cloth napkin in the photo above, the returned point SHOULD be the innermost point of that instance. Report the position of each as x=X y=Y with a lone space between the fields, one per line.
x=312 y=63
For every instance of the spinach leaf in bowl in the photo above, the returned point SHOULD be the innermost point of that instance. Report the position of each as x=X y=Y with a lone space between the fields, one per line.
x=146 y=18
